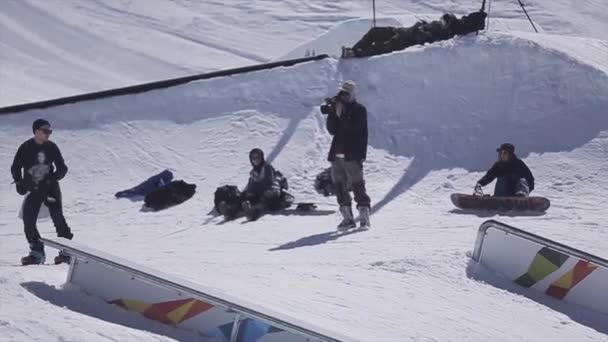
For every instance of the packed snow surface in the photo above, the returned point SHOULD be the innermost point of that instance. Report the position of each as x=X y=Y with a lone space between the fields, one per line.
x=436 y=114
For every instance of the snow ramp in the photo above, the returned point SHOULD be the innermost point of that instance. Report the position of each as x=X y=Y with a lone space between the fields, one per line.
x=446 y=104
x=436 y=114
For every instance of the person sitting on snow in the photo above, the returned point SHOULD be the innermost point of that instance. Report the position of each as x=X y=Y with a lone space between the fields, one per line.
x=513 y=177
x=264 y=188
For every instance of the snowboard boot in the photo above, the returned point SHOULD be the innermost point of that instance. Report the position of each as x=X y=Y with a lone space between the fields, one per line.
x=34 y=258
x=224 y=209
x=65 y=233
x=523 y=189
x=252 y=212
x=364 y=217
x=62 y=258
x=347 y=222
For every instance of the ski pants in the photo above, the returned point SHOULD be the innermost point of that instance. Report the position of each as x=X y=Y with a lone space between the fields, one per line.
x=270 y=199
x=508 y=186
x=31 y=208
x=342 y=172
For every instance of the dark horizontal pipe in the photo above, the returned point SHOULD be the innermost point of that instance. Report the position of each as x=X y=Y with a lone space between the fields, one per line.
x=140 y=88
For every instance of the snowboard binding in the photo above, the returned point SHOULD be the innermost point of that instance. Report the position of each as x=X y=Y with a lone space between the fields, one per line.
x=347 y=52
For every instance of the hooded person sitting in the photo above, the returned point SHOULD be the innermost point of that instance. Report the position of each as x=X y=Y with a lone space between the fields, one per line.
x=513 y=177
x=263 y=190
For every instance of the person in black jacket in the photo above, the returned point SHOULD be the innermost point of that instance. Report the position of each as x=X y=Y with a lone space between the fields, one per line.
x=37 y=169
x=347 y=122
x=263 y=191
x=513 y=177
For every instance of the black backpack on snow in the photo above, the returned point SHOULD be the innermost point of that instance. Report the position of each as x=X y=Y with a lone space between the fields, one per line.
x=324 y=185
x=169 y=195
x=227 y=193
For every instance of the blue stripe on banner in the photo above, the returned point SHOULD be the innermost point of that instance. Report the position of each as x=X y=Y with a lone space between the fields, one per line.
x=251 y=330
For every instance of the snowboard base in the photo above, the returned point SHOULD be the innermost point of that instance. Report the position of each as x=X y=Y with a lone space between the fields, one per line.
x=534 y=203
x=300 y=207
x=306 y=206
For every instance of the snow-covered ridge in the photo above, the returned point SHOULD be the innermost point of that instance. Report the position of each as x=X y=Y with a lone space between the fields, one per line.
x=59 y=48
x=348 y=32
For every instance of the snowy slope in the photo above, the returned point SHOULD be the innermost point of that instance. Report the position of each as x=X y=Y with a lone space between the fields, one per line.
x=57 y=48
x=436 y=115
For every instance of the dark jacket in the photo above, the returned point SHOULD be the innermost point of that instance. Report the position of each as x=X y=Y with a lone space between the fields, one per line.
x=36 y=165
x=472 y=22
x=349 y=130
x=514 y=168
x=262 y=179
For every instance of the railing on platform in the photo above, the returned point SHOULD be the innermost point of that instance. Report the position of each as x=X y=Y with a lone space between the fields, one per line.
x=140 y=88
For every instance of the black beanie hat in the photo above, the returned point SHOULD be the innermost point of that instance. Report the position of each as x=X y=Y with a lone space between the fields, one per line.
x=256 y=151
x=39 y=123
x=506 y=147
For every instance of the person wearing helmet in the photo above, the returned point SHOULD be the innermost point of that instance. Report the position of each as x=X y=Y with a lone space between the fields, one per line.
x=263 y=191
x=37 y=168
x=347 y=123
x=513 y=177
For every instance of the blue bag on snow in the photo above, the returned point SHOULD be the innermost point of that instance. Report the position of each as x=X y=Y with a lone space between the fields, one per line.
x=147 y=186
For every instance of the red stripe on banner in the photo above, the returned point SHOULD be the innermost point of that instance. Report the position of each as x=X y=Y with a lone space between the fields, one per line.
x=580 y=271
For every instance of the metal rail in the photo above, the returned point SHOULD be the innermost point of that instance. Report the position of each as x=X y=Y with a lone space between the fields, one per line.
x=158 y=279
x=534 y=238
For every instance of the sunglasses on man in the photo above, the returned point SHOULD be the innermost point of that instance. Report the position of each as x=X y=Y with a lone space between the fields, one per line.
x=47 y=131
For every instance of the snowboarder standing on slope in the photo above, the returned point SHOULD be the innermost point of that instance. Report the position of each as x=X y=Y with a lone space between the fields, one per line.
x=347 y=122
x=513 y=175
x=263 y=191
x=37 y=168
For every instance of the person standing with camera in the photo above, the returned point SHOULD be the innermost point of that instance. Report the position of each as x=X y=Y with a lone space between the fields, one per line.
x=347 y=122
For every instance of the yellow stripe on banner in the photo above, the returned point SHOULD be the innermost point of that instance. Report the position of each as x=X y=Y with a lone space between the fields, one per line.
x=178 y=314
x=565 y=282
x=136 y=305
x=541 y=267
